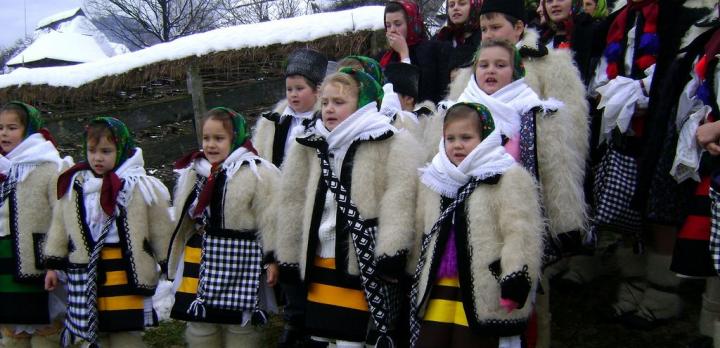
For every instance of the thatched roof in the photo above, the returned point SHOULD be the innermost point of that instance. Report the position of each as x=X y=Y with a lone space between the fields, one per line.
x=219 y=69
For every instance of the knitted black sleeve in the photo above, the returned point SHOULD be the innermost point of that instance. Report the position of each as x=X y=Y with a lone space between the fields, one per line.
x=516 y=286
x=55 y=263
x=269 y=257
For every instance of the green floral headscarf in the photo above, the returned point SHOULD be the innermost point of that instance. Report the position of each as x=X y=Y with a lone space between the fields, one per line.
x=120 y=135
x=241 y=131
x=370 y=66
x=370 y=89
x=34 y=122
x=488 y=125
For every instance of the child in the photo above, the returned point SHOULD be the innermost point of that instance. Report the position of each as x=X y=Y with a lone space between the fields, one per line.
x=480 y=233
x=276 y=130
x=399 y=97
x=224 y=236
x=368 y=65
x=350 y=179
x=29 y=167
x=406 y=36
x=110 y=230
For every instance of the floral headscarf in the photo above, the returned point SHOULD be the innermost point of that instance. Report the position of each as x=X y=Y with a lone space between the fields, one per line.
x=370 y=66
x=416 y=32
x=34 y=122
x=120 y=136
x=488 y=125
x=241 y=132
x=370 y=90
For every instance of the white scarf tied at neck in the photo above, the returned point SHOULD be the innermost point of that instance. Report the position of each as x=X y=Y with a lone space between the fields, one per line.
x=488 y=159
x=26 y=156
x=508 y=103
x=365 y=123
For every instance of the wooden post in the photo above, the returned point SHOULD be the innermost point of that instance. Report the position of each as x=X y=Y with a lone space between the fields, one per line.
x=195 y=88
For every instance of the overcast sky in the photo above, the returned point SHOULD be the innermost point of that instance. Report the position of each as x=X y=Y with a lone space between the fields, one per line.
x=12 y=16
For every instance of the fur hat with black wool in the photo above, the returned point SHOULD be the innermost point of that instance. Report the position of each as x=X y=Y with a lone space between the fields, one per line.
x=404 y=77
x=514 y=8
x=308 y=63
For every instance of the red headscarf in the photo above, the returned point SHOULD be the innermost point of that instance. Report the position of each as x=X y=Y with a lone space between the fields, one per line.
x=415 y=29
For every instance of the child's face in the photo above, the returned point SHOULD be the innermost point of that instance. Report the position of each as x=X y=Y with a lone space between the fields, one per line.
x=589 y=6
x=11 y=131
x=396 y=23
x=461 y=137
x=497 y=27
x=494 y=69
x=216 y=141
x=458 y=11
x=301 y=97
x=558 y=10
x=337 y=105
x=102 y=155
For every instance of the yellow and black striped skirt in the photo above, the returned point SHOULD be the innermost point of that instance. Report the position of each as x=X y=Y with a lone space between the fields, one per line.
x=120 y=308
x=336 y=308
x=445 y=323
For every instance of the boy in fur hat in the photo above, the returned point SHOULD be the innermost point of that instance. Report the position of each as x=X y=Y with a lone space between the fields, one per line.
x=400 y=96
x=274 y=133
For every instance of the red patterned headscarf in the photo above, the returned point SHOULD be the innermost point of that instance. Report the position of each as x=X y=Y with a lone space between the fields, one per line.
x=416 y=32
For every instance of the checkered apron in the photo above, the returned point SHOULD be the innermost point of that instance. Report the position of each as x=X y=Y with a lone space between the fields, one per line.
x=81 y=319
x=715 y=224
x=377 y=292
x=230 y=269
x=463 y=193
x=616 y=178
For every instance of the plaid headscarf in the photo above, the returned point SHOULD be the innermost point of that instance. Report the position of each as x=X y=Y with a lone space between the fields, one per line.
x=241 y=133
x=120 y=136
x=370 y=90
x=34 y=122
x=488 y=125
x=370 y=66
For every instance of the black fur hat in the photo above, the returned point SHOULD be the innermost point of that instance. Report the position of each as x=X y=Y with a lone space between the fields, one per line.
x=404 y=77
x=309 y=63
x=515 y=8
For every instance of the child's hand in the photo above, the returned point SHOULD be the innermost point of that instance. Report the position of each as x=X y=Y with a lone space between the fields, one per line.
x=51 y=280
x=508 y=304
x=272 y=274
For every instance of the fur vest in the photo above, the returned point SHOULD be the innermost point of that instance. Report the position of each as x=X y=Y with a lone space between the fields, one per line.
x=498 y=233
x=562 y=137
x=144 y=232
x=423 y=111
x=381 y=175
x=271 y=133
x=244 y=203
x=30 y=209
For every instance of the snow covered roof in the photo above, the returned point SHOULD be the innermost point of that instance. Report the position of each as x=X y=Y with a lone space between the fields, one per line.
x=298 y=29
x=67 y=47
x=60 y=16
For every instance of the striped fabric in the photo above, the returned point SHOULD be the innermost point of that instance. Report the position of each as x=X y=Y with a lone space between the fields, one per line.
x=691 y=256
x=119 y=309
x=336 y=308
x=21 y=303
x=445 y=323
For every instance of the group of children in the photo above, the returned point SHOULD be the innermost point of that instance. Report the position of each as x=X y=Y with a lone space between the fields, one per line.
x=387 y=220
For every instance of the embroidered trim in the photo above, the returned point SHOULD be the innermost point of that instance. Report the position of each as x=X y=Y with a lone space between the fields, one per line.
x=523 y=272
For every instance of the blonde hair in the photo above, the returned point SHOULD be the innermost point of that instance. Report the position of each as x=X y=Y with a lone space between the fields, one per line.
x=345 y=82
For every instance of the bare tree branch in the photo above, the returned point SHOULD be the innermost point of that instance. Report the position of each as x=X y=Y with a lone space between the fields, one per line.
x=146 y=22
